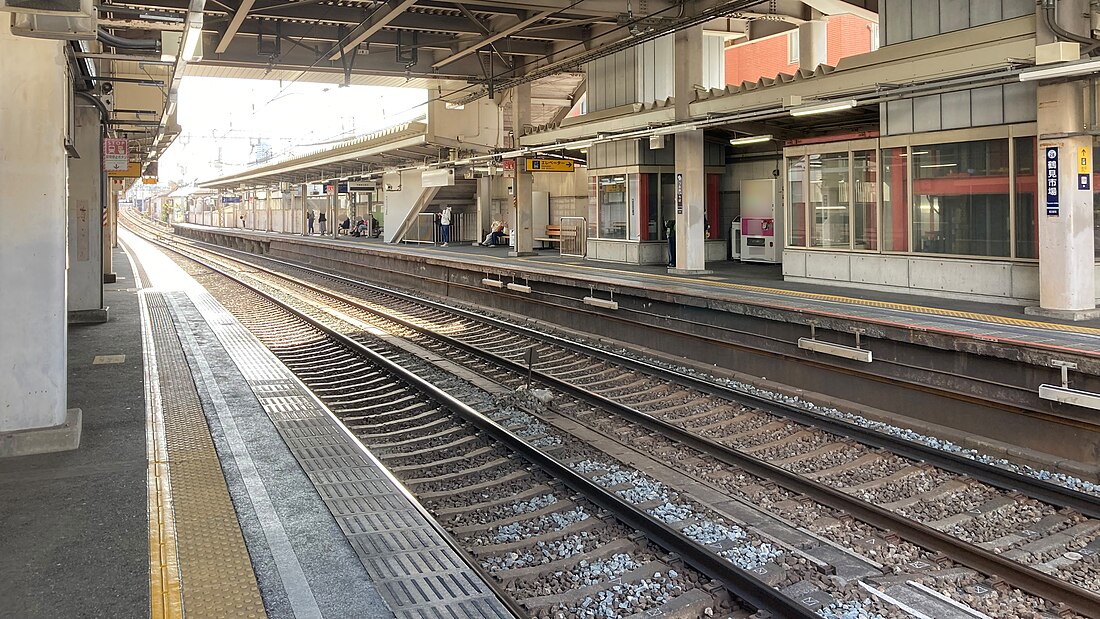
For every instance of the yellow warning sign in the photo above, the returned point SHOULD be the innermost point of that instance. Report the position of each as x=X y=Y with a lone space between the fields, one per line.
x=549 y=165
x=1083 y=166
x=133 y=170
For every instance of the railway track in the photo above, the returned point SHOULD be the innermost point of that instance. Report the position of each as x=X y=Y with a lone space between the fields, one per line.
x=936 y=528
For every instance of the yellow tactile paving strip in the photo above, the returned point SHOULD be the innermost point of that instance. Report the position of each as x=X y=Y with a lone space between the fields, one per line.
x=918 y=309
x=215 y=572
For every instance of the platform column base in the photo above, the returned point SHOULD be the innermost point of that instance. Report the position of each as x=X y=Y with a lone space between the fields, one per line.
x=62 y=437
x=90 y=316
x=675 y=271
x=1073 y=315
x=110 y=278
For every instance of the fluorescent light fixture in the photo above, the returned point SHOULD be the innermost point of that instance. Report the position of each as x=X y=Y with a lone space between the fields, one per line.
x=1067 y=69
x=752 y=139
x=939 y=165
x=824 y=108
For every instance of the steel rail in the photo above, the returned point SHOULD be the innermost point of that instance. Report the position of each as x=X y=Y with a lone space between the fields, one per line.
x=739 y=582
x=1016 y=574
x=1051 y=493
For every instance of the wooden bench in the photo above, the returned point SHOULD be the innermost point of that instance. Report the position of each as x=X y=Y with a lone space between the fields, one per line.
x=553 y=235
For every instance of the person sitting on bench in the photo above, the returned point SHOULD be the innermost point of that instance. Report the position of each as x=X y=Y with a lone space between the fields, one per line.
x=493 y=238
x=346 y=225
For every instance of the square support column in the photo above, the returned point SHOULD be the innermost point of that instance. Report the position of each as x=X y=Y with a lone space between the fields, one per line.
x=691 y=180
x=1067 y=284
x=33 y=417
x=523 y=182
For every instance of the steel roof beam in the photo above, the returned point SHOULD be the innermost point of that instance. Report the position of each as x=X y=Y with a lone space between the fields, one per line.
x=493 y=38
x=375 y=23
x=234 y=25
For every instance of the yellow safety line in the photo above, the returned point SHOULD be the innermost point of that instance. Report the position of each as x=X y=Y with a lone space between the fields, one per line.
x=920 y=309
x=164 y=582
x=165 y=601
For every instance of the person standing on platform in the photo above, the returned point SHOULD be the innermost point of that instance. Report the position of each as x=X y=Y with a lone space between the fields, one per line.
x=309 y=221
x=321 y=221
x=445 y=225
x=670 y=233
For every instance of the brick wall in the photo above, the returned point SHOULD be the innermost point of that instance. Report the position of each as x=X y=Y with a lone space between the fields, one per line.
x=847 y=35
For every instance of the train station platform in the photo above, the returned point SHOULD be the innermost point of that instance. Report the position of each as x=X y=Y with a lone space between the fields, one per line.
x=752 y=284
x=210 y=481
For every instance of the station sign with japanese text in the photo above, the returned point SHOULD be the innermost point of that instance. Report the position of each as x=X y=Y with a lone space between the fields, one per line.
x=1051 y=164
x=116 y=155
x=549 y=165
x=1084 y=168
x=133 y=170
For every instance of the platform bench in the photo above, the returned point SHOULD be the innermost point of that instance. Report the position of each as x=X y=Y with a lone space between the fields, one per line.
x=553 y=235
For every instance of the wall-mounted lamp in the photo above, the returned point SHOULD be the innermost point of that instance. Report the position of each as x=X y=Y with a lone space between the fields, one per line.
x=751 y=139
x=824 y=108
x=1068 y=69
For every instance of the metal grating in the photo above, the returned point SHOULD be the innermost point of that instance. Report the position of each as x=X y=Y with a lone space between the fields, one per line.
x=413 y=567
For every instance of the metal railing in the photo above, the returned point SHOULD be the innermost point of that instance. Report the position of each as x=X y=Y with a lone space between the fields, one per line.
x=574 y=236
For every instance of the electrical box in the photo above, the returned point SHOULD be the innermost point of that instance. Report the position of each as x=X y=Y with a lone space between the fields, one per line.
x=761 y=221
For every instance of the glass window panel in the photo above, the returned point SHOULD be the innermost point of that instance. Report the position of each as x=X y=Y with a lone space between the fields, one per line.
x=830 y=198
x=613 y=205
x=960 y=198
x=1027 y=205
x=796 y=198
x=895 y=200
x=865 y=199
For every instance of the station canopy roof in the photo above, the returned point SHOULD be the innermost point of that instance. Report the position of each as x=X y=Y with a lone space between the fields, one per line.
x=467 y=48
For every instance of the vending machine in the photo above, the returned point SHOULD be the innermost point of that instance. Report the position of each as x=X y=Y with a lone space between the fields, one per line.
x=761 y=220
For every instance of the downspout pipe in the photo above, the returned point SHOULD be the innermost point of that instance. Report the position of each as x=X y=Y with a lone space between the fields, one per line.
x=1051 y=19
x=120 y=43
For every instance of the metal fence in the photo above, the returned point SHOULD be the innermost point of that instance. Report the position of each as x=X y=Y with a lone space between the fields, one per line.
x=574 y=236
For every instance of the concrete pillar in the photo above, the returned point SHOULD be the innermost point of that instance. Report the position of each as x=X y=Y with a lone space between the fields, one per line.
x=304 y=190
x=523 y=183
x=85 y=219
x=691 y=181
x=109 y=234
x=484 y=206
x=1067 y=287
x=813 y=48
x=33 y=179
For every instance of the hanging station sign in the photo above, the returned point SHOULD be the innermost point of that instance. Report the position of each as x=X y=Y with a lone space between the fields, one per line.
x=549 y=165
x=116 y=155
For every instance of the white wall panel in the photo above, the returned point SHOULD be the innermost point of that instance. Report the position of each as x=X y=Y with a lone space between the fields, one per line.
x=898 y=21
x=1017 y=8
x=926 y=113
x=1020 y=102
x=987 y=106
x=926 y=19
x=955 y=109
x=955 y=15
x=899 y=117
x=985 y=11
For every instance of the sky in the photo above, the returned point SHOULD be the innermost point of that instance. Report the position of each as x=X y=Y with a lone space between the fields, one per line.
x=230 y=125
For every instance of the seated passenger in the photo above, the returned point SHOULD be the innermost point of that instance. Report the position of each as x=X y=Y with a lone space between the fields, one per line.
x=493 y=238
x=346 y=224
x=360 y=228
